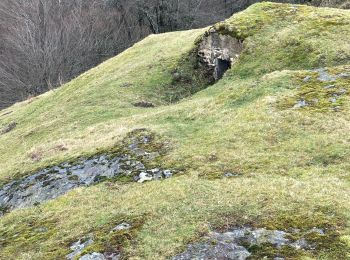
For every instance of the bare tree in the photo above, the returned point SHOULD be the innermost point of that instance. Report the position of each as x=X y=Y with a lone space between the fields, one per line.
x=45 y=43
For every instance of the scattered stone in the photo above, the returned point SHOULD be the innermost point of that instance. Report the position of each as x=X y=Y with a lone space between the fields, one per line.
x=122 y=226
x=329 y=86
x=324 y=76
x=177 y=76
x=41 y=230
x=344 y=75
x=332 y=100
x=213 y=157
x=145 y=104
x=8 y=128
x=157 y=174
x=337 y=108
x=125 y=85
x=230 y=174
x=307 y=78
x=342 y=91
x=154 y=174
x=167 y=173
x=300 y=244
x=93 y=256
x=315 y=100
x=294 y=230
x=112 y=256
x=78 y=247
x=144 y=177
x=300 y=104
x=99 y=256
x=317 y=230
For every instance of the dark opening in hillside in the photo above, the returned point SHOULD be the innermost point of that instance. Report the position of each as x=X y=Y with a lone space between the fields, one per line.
x=221 y=67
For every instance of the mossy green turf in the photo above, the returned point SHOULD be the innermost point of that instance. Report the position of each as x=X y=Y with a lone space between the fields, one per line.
x=293 y=164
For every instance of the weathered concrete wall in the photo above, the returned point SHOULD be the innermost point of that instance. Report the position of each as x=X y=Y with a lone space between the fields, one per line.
x=216 y=51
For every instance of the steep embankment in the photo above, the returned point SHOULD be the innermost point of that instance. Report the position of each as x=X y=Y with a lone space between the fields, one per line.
x=266 y=146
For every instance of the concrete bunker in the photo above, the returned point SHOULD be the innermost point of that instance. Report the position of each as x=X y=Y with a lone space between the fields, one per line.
x=218 y=52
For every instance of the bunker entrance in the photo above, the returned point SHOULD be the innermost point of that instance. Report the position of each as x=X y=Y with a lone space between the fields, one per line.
x=221 y=67
x=217 y=53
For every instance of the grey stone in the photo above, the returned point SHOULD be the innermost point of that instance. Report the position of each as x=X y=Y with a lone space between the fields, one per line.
x=230 y=174
x=324 y=76
x=112 y=256
x=221 y=250
x=144 y=177
x=151 y=156
x=294 y=230
x=93 y=256
x=125 y=85
x=301 y=244
x=277 y=238
x=122 y=226
x=315 y=100
x=157 y=174
x=342 y=91
x=41 y=230
x=307 y=78
x=344 y=75
x=177 y=76
x=300 y=104
x=317 y=230
x=78 y=247
x=167 y=173
x=332 y=100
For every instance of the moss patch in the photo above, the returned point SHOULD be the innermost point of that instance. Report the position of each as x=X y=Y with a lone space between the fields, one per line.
x=314 y=94
x=108 y=241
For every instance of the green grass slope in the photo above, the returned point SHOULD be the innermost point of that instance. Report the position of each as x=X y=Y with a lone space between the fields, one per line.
x=292 y=162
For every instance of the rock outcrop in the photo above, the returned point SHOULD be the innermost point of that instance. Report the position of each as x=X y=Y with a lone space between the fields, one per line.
x=236 y=243
x=54 y=181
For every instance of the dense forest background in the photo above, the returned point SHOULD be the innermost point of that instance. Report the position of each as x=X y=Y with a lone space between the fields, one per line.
x=45 y=43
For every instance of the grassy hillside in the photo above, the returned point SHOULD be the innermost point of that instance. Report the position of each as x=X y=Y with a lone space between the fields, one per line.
x=274 y=121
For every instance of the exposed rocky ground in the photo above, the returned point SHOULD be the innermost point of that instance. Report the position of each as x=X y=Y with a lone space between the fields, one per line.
x=53 y=181
x=240 y=243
